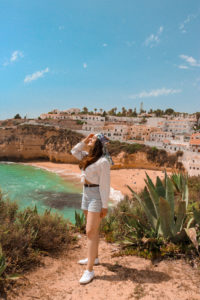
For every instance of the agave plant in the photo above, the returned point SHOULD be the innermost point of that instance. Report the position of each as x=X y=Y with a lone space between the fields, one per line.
x=166 y=214
x=80 y=221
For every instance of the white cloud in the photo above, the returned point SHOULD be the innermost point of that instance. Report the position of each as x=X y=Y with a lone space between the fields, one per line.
x=35 y=75
x=16 y=55
x=85 y=65
x=105 y=45
x=183 y=67
x=155 y=93
x=186 y=21
x=154 y=39
x=190 y=60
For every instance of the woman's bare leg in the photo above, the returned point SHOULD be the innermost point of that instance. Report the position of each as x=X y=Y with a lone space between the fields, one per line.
x=85 y=213
x=92 y=231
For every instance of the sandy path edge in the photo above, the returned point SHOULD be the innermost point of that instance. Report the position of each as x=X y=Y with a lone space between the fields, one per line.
x=127 y=277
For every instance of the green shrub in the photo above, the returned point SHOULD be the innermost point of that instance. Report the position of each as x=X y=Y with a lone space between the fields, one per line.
x=26 y=235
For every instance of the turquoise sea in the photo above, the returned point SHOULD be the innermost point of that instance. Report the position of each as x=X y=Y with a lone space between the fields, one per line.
x=30 y=186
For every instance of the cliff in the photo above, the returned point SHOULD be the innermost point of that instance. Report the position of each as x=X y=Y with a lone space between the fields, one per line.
x=37 y=142
x=27 y=142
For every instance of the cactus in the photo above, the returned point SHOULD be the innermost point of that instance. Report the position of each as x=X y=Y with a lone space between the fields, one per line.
x=158 y=203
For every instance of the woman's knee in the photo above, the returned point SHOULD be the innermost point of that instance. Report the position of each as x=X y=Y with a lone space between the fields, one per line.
x=91 y=233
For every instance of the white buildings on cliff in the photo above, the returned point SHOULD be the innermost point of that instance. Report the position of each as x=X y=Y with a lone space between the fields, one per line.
x=170 y=133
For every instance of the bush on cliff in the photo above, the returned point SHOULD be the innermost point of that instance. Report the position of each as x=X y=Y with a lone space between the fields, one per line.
x=158 y=156
x=26 y=235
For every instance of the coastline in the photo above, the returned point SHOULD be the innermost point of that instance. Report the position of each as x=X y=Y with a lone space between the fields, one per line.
x=119 y=178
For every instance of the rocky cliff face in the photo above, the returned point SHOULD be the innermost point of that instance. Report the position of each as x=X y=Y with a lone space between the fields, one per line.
x=33 y=142
x=26 y=142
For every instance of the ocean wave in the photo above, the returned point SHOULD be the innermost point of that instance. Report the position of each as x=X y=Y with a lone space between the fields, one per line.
x=7 y=162
x=116 y=195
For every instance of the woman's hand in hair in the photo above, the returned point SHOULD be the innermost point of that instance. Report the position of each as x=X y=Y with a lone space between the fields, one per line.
x=103 y=212
x=87 y=139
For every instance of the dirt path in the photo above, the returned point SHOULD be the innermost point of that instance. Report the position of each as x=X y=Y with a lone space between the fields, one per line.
x=121 y=278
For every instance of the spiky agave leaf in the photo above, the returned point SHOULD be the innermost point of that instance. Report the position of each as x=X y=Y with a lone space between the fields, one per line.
x=176 y=179
x=170 y=196
x=149 y=203
x=159 y=187
x=191 y=233
x=148 y=213
x=165 y=218
x=181 y=213
x=152 y=191
x=185 y=191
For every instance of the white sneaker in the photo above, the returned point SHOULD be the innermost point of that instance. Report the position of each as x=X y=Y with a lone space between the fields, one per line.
x=85 y=261
x=87 y=277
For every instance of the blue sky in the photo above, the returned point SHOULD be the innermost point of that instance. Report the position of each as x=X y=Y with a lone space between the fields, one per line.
x=99 y=54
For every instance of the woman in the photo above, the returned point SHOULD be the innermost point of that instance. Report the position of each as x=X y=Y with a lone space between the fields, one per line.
x=95 y=166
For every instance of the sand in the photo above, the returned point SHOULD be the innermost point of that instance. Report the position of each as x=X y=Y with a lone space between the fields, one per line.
x=119 y=178
x=124 y=278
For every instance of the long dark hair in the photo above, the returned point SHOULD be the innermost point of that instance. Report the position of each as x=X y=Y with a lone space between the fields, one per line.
x=94 y=154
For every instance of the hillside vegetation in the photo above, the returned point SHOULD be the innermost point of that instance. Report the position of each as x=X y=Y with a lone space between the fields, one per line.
x=156 y=157
x=25 y=236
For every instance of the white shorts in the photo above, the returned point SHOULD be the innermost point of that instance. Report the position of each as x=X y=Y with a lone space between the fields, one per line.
x=91 y=199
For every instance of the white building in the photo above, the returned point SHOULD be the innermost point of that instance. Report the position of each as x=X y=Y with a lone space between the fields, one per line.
x=179 y=126
x=156 y=122
x=195 y=142
x=132 y=120
x=160 y=136
x=59 y=116
x=116 y=132
x=89 y=118
x=191 y=162
x=175 y=145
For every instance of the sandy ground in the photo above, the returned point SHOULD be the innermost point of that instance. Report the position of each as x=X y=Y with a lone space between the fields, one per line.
x=119 y=178
x=123 y=278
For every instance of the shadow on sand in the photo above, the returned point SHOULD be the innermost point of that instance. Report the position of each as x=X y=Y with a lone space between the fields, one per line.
x=139 y=276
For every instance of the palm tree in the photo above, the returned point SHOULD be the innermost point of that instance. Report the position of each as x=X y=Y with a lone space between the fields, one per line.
x=124 y=111
x=130 y=112
x=85 y=110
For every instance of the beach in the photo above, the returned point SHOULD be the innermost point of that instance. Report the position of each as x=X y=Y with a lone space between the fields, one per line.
x=119 y=178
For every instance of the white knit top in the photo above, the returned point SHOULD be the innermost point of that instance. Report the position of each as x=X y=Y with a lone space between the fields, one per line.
x=96 y=173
